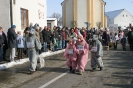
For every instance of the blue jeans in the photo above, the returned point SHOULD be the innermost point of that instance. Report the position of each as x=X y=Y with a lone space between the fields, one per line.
x=45 y=47
x=60 y=44
x=1 y=53
x=54 y=48
x=63 y=44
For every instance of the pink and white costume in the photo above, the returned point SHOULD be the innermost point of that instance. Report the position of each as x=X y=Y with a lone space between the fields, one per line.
x=70 y=55
x=82 y=54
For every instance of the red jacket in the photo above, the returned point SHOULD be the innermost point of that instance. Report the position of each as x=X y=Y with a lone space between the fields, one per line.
x=76 y=31
x=84 y=35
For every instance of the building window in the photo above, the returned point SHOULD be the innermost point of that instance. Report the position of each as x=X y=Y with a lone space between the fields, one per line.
x=14 y=2
x=49 y=25
x=123 y=15
x=24 y=18
x=126 y=15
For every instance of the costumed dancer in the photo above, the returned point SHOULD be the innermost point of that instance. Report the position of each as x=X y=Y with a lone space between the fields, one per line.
x=96 y=53
x=70 y=55
x=33 y=45
x=82 y=53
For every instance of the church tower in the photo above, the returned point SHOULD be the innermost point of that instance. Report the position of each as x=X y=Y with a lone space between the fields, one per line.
x=79 y=12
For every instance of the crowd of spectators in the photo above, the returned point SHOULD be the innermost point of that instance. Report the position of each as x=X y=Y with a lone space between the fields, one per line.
x=57 y=39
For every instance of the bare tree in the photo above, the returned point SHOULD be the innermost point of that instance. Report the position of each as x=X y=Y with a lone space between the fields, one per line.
x=58 y=17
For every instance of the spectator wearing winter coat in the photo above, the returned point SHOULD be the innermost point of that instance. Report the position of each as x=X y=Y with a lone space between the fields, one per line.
x=73 y=34
x=106 y=38
x=116 y=38
x=12 y=36
x=67 y=36
x=49 y=39
x=121 y=34
x=93 y=30
x=63 y=38
x=84 y=33
x=76 y=30
x=40 y=34
x=20 y=45
x=60 y=38
x=25 y=35
x=55 y=38
x=46 y=33
x=54 y=44
x=5 y=45
x=130 y=38
x=87 y=35
x=81 y=31
x=123 y=42
x=1 y=45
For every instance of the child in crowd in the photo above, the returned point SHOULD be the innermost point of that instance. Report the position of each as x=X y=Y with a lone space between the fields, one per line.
x=123 y=42
x=20 y=45
x=70 y=55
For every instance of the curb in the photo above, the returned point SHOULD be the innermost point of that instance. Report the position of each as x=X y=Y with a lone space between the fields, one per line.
x=22 y=61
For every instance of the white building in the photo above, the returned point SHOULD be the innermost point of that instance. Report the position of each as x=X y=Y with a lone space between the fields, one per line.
x=21 y=13
x=121 y=18
x=51 y=22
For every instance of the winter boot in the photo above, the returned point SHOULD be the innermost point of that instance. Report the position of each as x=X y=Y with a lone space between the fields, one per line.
x=73 y=71
x=70 y=69
x=101 y=68
x=93 y=69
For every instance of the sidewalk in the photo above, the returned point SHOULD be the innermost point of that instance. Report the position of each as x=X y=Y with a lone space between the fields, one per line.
x=22 y=61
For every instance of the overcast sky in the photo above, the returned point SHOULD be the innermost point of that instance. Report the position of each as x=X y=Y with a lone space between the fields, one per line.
x=111 y=5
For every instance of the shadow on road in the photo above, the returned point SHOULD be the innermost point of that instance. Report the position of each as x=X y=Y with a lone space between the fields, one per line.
x=122 y=61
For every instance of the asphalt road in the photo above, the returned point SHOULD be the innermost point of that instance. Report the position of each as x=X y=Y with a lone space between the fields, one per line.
x=117 y=73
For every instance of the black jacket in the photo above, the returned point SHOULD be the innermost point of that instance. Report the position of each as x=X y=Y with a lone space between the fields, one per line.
x=56 y=34
x=11 y=34
x=46 y=36
x=1 y=40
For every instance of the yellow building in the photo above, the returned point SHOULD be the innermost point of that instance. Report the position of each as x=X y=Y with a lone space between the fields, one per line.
x=81 y=11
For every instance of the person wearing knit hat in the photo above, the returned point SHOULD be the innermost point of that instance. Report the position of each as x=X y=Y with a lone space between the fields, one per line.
x=13 y=26
x=12 y=36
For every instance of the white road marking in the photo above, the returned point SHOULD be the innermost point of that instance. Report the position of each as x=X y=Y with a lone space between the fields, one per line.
x=55 y=79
